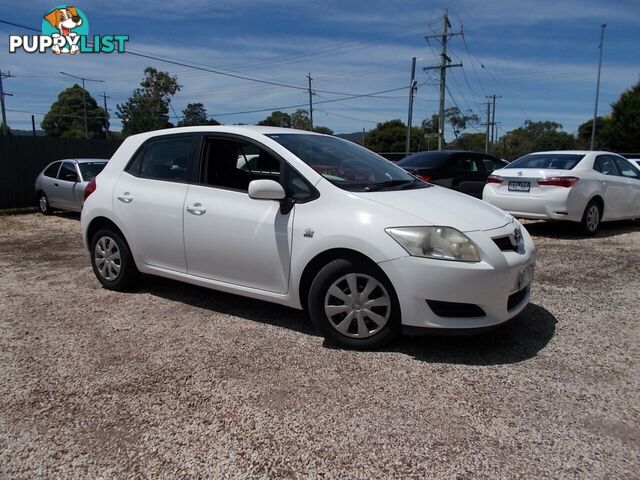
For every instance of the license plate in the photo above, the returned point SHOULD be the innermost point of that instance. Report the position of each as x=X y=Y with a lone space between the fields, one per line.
x=519 y=186
x=525 y=277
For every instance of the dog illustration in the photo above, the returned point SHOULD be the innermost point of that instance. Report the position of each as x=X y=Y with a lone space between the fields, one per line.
x=65 y=20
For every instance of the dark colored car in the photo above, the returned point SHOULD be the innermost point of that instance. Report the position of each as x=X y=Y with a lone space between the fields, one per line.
x=465 y=172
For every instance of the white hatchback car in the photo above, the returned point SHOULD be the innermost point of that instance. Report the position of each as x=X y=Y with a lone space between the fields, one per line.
x=310 y=221
x=579 y=186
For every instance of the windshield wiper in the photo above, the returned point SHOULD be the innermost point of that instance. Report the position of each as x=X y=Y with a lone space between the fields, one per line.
x=388 y=184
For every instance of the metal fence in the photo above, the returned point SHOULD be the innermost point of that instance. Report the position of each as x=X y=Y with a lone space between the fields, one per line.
x=23 y=158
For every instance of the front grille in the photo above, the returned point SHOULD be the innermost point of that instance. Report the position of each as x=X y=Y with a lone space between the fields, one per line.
x=454 y=309
x=516 y=298
x=505 y=244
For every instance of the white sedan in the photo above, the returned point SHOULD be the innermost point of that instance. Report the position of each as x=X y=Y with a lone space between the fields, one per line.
x=579 y=186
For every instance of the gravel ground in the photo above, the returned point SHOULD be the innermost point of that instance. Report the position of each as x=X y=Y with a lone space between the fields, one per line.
x=176 y=381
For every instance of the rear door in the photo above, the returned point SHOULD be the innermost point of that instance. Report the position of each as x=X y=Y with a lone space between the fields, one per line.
x=613 y=187
x=468 y=175
x=630 y=177
x=149 y=200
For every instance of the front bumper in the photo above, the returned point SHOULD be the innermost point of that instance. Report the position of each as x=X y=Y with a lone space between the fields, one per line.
x=488 y=284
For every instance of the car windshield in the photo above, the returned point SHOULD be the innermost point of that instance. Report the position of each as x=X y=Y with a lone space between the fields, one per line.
x=346 y=164
x=556 y=161
x=423 y=160
x=90 y=170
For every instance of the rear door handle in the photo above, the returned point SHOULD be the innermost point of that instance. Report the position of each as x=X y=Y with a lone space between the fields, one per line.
x=196 y=209
x=125 y=197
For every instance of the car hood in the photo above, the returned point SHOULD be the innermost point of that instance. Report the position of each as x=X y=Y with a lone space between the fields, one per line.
x=442 y=206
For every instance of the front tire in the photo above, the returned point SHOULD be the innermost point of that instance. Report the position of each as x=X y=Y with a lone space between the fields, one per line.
x=354 y=305
x=591 y=218
x=43 y=204
x=112 y=262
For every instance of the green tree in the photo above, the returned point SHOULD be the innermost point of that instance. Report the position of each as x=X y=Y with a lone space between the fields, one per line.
x=534 y=136
x=148 y=107
x=624 y=134
x=603 y=133
x=65 y=118
x=391 y=136
x=322 y=129
x=458 y=120
x=300 y=120
x=196 y=114
x=277 y=119
x=474 y=142
x=9 y=132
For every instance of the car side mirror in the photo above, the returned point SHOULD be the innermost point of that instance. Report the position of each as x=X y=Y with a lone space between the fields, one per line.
x=266 y=190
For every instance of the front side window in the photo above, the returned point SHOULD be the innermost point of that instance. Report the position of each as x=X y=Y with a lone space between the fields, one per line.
x=625 y=168
x=68 y=172
x=163 y=159
x=347 y=165
x=233 y=163
x=52 y=170
x=604 y=164
x=555 y=161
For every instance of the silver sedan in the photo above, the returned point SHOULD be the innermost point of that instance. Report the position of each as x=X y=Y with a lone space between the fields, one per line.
x=61 y=184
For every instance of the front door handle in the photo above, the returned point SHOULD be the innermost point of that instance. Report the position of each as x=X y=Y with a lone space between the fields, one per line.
x=125 y=197
x=196 y=209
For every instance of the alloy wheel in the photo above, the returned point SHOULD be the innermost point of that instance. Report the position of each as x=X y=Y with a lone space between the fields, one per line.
x=593 y=218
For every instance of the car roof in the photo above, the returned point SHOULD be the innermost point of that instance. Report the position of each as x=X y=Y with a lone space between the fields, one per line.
x=239 y=129
x=573 y=152
x=82 y=160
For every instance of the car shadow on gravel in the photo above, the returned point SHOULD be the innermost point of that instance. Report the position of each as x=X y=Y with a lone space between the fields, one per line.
x=229 y=304
x=518 y=340
x=571 y=231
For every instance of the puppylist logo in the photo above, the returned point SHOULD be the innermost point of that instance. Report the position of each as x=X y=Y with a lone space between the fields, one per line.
x=65 y=29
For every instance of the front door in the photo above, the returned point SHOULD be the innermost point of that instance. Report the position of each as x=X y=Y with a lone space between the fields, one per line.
x=230 y=237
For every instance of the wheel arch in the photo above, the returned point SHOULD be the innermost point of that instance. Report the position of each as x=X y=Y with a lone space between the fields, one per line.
x=598 y=198
x=103 y=222
x=323 y=258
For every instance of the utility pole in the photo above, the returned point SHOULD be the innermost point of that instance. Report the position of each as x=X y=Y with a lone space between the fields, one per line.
x=595 y=112
x=445 y=62
x=412 y=89
x=310 y=103
x=84 y=98
x=363 y=136
x=488 y=124
x=2 y=95
x=33 y=124
x=106 y=115
x=494 y=135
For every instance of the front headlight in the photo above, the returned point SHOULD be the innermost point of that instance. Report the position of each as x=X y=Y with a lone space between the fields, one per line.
x=443 y=243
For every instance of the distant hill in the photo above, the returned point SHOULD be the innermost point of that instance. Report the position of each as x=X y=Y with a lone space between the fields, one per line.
x=39 y=133
x=355 y=137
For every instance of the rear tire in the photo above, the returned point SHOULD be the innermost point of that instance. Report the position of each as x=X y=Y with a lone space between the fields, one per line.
x=43 y=204
x=112 y=262
x=591 y=218
x=366 y=318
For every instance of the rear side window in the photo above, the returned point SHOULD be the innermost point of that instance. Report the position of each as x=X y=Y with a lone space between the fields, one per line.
x=90 y=170
x=555 y=161
x=163 y=159
x=465 y=164
x=491 y=164
x=604 y=164
x=625 y=168
x=52 y=170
